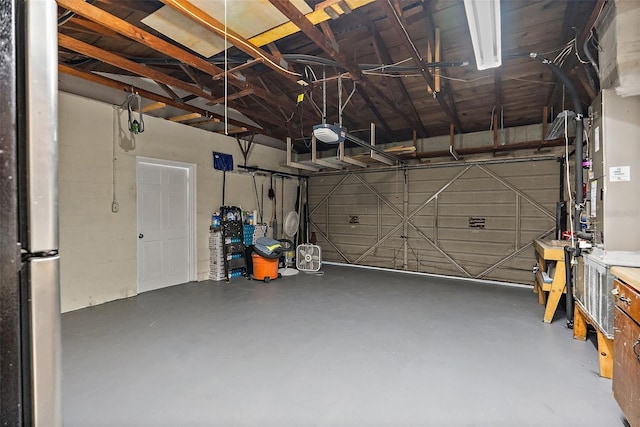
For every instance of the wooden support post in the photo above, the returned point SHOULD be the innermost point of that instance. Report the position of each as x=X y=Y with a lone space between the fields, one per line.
x=579 y=325
x=605 y=355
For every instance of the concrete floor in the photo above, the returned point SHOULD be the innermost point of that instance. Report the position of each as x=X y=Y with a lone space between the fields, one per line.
x=353 y=347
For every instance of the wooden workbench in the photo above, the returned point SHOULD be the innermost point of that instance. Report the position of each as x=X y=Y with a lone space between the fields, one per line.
x=548 y=253
x=626 y=345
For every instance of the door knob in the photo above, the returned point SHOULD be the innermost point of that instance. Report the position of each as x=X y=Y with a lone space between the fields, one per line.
x=140 y=236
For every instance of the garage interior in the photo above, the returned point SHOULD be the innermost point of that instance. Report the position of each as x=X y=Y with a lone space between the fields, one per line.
x=452 y=183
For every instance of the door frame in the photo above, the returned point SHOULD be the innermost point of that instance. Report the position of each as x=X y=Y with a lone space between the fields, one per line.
x=192 y=213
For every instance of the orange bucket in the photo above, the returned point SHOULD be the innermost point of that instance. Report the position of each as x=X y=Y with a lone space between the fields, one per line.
x=264 y=268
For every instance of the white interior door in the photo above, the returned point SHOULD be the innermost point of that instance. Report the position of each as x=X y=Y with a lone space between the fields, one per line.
x=164 y=224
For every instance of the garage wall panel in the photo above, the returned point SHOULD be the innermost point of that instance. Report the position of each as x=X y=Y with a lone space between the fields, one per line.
x=470 y=220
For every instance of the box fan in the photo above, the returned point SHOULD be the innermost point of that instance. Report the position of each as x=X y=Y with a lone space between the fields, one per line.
x=308 y=257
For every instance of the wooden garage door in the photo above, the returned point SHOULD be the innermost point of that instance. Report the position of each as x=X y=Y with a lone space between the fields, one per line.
x=475 y=220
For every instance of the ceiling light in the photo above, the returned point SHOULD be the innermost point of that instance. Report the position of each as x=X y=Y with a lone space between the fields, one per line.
x=483 y=17
x=329 y=134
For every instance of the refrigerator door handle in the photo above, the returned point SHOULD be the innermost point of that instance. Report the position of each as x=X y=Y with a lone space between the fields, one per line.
x=46 y=341
x=41 y=78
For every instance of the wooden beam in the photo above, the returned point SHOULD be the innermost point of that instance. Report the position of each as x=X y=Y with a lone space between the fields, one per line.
x=168 y=91
x=209 y=22
x=582 y=78
x=92 y=27
x=240 y=67
x=488 y=149
x=545 y=122
x=385 y=57
x=153 y=107
x=233 y=131
x=95 y=14
x=205 y=122
x=185 y=117
x=125 y=64
x=125 y=87
x=315 y=17
x=291 y=12
x=189 y=72
x=396 y=23
x=231 y=97
x=188 y=98
x=326 y=30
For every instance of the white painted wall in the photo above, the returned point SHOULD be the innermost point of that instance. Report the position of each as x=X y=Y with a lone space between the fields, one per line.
x=98 y=247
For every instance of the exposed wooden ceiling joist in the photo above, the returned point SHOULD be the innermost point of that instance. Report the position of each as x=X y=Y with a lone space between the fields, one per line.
x=125 y=87
x=385 y=57
x=133 y=67
x=201 y=17
x=396 y=23
x=102 y=17
x=291 y=12
x=315 y=17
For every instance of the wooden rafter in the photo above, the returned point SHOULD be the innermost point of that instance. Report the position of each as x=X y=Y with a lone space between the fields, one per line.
x=153 y=107
x=396 y=23
x=231 y=97
x=92 y=28
x=133 y=67
x=185 y=117
x=203 y=18
x=307 y=27
x=137 y=34
x=385 y=58
x=193 y=76
x=169 y=91
x=125 y=87
x=315 y=17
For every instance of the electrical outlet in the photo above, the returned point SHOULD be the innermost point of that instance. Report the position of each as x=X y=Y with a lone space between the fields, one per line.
x=115 y=207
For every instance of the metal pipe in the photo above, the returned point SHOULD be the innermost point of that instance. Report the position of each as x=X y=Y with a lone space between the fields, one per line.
x=577 y=107
x=578 y=142
x=271 y=172
x=375 y=148
x=568 y=278
x=587 y=52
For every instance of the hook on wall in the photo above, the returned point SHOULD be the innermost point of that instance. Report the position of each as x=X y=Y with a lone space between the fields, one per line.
x=135 y=126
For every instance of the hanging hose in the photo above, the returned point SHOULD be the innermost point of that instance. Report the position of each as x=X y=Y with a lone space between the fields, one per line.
x=135 y=126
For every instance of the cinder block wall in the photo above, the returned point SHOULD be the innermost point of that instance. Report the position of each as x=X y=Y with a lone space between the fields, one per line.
x=98 y=248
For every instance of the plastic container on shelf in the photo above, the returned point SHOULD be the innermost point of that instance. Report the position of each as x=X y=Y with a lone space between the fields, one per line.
x=215 y=220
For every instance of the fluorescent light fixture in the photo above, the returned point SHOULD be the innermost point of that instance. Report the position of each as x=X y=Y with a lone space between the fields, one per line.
x=329 y=134
x=483 y=17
